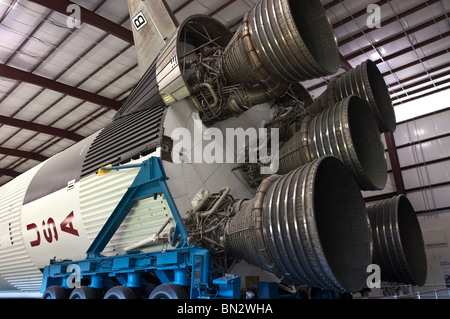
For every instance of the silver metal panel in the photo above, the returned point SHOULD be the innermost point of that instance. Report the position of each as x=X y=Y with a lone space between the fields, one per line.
x=144 y=96
x=62 y=168
x=422 y=176
x=187 y=178
x=424 y=152
x=152 y=23
x=423 y=128
x=171 y=84
x=430 y=199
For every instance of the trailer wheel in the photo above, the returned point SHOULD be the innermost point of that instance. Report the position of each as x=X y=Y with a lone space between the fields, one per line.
x=83 y=292
x=317 y=293
x=54 y=292
x=120 y=292
x=168 y=291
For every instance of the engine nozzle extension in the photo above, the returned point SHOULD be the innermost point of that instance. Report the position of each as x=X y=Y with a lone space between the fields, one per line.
x=348 y=131
x=278 y=43
x=399 y=248
x=309 y=227
x=282 y=41
x=368 y=83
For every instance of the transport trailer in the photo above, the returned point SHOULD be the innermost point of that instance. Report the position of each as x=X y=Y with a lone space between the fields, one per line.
x=182 y=272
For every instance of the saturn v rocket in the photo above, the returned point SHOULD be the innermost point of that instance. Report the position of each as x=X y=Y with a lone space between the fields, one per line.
x=304 y=224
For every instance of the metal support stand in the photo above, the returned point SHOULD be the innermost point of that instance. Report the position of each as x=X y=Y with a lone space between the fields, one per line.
x=150 y=181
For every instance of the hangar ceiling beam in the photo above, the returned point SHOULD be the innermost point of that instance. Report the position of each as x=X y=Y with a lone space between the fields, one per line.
x=40 y=128
x=399 y=53
x=91 y=18
x=395 y=18
x=8 y=172
x=395 y=163
x=23 y=76
x=24 y=154
x=344 y=63
x=396 y=37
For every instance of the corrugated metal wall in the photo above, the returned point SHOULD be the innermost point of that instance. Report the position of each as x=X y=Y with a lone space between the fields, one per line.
x=423 y=147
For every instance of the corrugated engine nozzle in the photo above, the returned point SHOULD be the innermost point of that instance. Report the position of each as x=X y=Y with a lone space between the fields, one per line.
x=368 y=83
x=309 y=227
x=282 y=41
x=346 y=130
x=399 y=248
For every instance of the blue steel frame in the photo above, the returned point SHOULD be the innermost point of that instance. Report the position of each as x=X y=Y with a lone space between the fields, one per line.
x=186 y=265
x=151 y=180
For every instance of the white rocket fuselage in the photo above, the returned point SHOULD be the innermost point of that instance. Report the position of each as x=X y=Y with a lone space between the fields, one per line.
x=63 y=223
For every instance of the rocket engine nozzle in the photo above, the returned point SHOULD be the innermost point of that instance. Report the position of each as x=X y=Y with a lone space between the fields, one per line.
x=368 y=83
x=309 y=227
x=399 y=248
x=348 y=131
x=279 y=43
x=282 y=42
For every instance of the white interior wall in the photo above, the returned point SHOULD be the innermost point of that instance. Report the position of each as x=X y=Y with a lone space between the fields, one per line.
x=436 y=232
x=435 y=224
x=426 y=182
x=427 y=185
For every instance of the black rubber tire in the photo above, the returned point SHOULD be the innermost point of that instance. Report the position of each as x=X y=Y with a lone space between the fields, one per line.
x=168 y=291
x=54 y=292
x=83 y=292
x=148 y=288
x=317 y=293
x=120 y=292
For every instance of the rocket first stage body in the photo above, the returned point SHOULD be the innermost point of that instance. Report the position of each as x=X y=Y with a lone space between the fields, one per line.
x=307 y=227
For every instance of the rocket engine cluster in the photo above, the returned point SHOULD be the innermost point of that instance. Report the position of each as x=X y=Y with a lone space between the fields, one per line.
x=308 y=224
